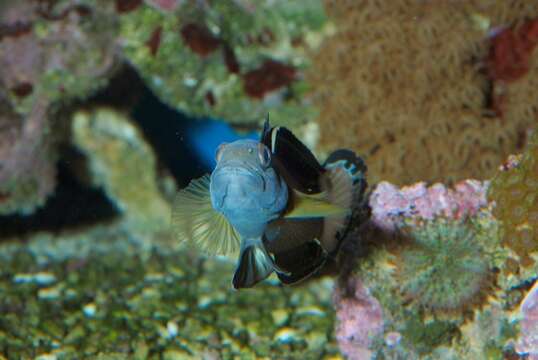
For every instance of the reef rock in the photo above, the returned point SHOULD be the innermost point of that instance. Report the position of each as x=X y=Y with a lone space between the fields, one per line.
x=359 y=321
x=124 y=165
x=27 y=158
x=235 y=60
x=528 y=337
x=434 y=266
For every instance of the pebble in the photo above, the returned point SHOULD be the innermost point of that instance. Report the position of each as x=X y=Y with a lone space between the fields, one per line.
x=280 y=316
x=40 y=278
x=286 y=335
x=89 y=310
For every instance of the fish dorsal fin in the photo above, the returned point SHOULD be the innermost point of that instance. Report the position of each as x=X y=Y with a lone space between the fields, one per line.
x=196 y=222
x=319 y=205
x=292 y=159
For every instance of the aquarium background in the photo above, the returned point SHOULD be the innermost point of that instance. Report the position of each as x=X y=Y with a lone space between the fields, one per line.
x=108 y=108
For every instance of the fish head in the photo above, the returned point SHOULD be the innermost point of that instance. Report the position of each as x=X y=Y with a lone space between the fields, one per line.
x=245 y=187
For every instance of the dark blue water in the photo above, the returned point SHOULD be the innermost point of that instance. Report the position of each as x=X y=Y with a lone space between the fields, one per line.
x=184 y=145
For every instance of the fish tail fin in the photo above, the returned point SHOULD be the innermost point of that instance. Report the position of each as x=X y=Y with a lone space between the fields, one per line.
x=352 y=164
x=343 y=180
x=255 y=264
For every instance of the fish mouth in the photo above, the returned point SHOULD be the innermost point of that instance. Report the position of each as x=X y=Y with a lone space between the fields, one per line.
x=251 y=175
x=238 y=184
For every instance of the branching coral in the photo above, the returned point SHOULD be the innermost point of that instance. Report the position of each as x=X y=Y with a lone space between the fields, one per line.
x=405 y=84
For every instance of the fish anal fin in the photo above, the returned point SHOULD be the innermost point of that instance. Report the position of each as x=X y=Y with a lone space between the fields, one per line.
x=255 y=264
x=301 y=262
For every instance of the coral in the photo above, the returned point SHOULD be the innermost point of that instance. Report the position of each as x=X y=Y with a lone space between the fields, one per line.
x=27 y=159
x=123 y=164
x=435 y=124
x=59 y=50
x=528 y=337
x=444 y=267
x=515 y=192
x=509 y=60
x=235 y=60
x=511 y=51
x=389 y=203
x=165 y=5
x=433 y=262
x=50 y=54
x=488 y=333
x=359 y=321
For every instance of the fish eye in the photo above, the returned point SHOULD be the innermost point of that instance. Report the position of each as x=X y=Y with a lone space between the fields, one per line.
x=264 y=155
x=218 y=153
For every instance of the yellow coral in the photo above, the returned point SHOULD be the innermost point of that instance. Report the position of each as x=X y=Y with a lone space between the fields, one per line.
x=515 y=192
x=404 y=83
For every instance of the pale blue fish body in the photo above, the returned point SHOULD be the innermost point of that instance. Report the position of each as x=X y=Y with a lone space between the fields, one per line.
x=249 y=193
x=246 y=190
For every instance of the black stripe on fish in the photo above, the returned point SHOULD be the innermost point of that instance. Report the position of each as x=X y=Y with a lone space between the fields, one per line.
x=300 y=262
x=295 y=249
x=292 y=159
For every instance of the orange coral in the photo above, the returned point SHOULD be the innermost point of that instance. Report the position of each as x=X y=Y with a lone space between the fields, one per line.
x=404 y=83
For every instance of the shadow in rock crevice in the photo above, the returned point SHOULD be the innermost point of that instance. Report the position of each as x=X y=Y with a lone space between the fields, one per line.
x=73 y=205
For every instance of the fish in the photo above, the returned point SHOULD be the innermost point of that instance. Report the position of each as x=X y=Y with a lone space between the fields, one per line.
x=271 y=204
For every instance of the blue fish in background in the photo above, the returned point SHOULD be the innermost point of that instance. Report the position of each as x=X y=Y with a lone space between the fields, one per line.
x=270 y=201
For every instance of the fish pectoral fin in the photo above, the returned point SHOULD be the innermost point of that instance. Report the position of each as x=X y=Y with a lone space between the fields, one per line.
x=314 y=206
x=196 y=222
x=255 y=264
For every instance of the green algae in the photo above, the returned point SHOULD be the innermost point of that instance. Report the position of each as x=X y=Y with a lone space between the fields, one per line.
x=69 y=67
x=134 y=311
x=430 y=326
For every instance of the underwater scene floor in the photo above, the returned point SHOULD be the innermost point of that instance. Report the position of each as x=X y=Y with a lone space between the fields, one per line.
x=119 y=298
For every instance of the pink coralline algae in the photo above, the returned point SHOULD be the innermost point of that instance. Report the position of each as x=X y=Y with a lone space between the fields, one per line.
x=528 y=337
x=359 y=321
x=390 y=204
x=165 y=5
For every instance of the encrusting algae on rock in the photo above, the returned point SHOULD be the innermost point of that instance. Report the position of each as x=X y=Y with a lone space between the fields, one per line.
x=110 y=141
x=235 y=60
